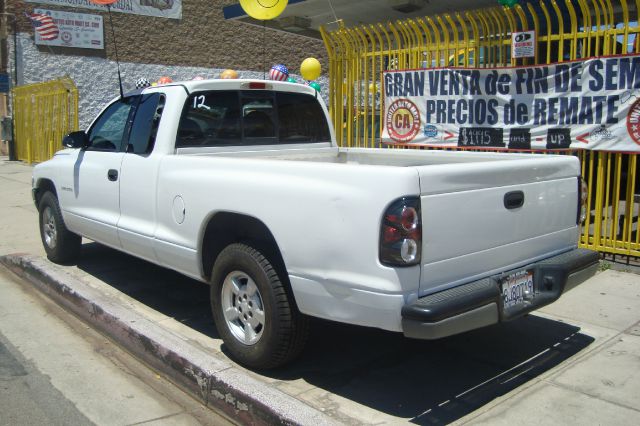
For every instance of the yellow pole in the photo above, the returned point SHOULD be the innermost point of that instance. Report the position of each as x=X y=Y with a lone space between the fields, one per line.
x=437 y=37
x=447 y=41
x=508 y=13
x=586 y=35
x=525 y=27
x=373 y=78
x=489 y=35
x=381 y=86
x=501 y=36
x=596 y=12
x=625 y=22
x=477 y=48
x=456 y=40
x=574 y=31
x=29 y=152
x=427 y=55
x=554 y=4
x=332 y=71
x=536 y=28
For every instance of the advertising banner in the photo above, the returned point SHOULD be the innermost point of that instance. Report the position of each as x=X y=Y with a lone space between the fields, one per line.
x=68 y=29
x=160 y=8
x=592 y=104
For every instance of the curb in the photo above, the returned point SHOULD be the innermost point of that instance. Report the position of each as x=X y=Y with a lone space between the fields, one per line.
x=213 y=381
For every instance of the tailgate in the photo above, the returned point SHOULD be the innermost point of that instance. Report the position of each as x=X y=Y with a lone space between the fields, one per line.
x=470 y=233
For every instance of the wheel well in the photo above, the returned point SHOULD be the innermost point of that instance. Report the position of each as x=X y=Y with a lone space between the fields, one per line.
x=228 y=228
x=43 y=186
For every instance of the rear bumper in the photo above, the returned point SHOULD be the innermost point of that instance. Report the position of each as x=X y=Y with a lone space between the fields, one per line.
x=480 y=303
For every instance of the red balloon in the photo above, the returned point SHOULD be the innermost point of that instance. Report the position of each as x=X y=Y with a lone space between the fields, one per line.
x=103 y=2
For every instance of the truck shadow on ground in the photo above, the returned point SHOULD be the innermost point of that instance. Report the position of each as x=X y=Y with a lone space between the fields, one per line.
x=424 y=382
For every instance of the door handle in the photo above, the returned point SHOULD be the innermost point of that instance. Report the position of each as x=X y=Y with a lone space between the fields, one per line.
x=112 y=174
x=513 y=200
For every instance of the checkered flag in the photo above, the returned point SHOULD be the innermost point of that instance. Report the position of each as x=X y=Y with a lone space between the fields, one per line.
x=142 y=82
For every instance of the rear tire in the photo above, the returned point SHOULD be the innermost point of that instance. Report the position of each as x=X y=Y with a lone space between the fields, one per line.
x=60 y=244
x=256 y=318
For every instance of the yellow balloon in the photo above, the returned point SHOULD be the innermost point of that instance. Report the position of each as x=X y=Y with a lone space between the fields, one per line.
x=263 y=10
x=310 y=69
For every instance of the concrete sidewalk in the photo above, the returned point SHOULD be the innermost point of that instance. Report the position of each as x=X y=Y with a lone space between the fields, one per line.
x=56 y=370
x=574 y=362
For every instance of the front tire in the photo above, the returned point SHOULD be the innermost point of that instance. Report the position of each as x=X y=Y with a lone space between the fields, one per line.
x=256 y=318
x=60 y=244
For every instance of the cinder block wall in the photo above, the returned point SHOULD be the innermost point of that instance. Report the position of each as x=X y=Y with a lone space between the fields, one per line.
x=201 y=43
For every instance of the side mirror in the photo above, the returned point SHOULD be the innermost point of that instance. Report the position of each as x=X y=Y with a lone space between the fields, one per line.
x=76 y=140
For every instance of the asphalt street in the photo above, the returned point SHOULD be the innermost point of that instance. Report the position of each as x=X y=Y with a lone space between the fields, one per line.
x=28 y=397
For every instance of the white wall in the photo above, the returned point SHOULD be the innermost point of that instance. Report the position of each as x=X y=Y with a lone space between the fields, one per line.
x=97 y=78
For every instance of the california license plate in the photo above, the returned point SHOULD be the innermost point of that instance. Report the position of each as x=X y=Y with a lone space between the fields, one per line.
x=517 y=289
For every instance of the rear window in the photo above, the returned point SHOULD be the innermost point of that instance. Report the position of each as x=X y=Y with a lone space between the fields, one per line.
x=256 y=117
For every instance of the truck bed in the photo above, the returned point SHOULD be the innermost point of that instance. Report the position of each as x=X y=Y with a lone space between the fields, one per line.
x=357 y=156
x=468 y=232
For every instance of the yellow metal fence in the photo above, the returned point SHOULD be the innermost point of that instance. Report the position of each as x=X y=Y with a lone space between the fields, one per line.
x=43 y=114
x=565 y=30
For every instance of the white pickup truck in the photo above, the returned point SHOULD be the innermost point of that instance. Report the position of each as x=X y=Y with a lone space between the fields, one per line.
x=240 y=184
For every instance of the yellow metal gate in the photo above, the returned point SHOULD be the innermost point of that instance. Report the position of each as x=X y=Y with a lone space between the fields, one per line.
x=565 y=29
x=43 y=114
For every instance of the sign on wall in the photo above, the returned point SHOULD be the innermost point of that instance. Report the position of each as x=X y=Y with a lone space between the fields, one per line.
x=159 y=8
x=523 y=44
x=592 y=104
x=67 y=29
x=5 y=83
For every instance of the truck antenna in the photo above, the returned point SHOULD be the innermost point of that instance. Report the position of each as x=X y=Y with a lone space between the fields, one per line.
x=264 y=48
x=115 y=48
x=108 y=3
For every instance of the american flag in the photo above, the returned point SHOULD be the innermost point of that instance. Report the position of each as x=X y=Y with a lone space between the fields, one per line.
x=44 y=26
x=279 y=73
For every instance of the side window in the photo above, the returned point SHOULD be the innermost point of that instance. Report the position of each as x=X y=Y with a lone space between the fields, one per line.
x=301 y=119
x=210 y=119
x=145 y=124
x=107 y=132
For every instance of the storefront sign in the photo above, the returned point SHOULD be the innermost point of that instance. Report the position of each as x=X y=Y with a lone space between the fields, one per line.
x=592 y=104
x=160 y=8
x=68 y=29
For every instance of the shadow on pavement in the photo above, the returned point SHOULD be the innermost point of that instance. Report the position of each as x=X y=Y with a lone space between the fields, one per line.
x=426 y=382
x=174 y=295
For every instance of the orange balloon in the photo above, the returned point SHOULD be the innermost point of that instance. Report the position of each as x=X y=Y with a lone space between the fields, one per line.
x=103 y=2
x=165 y=80
x=228 y=74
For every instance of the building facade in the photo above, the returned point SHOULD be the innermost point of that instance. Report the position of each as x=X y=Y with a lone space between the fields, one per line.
x=198 y=42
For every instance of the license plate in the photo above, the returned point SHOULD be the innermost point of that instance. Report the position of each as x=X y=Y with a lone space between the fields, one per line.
x=517 y=289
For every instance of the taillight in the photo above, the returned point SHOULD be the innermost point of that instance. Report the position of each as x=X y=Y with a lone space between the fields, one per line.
x=583 y=191
x=401 y=233
x=256 y=85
